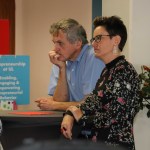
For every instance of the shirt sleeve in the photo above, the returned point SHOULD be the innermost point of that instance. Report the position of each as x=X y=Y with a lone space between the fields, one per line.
x=53 y=80
x=123 y=93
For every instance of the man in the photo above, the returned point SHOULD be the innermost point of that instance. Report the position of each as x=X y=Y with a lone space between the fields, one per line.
x=75 y=70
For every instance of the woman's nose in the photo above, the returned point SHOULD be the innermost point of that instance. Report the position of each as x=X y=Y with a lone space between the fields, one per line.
x=94 y=44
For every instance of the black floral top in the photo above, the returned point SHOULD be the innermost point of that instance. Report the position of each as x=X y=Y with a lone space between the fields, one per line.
x=114 y=102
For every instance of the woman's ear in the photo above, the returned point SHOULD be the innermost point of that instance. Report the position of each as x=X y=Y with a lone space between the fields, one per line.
x=117 y=40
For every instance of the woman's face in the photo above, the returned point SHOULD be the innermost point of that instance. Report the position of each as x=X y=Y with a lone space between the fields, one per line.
x=102 y=43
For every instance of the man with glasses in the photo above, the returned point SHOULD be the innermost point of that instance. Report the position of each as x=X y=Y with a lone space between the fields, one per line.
x=75 y=68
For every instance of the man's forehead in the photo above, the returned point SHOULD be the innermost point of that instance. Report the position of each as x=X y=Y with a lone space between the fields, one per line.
x=60 y=36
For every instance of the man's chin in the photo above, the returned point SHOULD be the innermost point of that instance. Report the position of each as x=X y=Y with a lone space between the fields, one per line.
x=95 y=54
x=62 y=59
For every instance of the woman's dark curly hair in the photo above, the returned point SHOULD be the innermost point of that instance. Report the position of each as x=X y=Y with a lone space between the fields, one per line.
x=114 y=26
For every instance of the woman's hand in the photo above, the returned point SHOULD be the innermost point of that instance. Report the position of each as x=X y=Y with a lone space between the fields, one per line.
x=77 y=113
x=66 y=126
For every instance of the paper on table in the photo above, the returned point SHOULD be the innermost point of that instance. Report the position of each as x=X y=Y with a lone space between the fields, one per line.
x=31 y=113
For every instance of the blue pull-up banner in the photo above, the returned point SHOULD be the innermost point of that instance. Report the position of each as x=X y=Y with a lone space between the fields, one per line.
x=15 y=79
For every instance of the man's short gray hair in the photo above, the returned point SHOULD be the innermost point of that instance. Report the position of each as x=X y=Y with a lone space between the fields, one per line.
x=74 y=31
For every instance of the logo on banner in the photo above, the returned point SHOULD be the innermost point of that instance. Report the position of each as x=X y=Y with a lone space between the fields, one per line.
x=15 y=79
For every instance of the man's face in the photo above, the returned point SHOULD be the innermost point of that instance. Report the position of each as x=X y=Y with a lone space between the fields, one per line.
x=66 y=50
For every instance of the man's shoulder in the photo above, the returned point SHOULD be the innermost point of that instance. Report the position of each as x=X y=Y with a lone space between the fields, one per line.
x=89 y=52
x=90 y=49
x=90 y=55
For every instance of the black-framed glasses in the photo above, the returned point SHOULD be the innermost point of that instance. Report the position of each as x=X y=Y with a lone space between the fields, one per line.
x=98 y=38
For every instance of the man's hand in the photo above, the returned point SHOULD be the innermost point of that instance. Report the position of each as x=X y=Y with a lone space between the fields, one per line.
x=46 y=103
x=54 y=58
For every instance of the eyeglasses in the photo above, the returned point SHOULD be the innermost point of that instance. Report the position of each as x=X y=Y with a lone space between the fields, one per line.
x=98 y=38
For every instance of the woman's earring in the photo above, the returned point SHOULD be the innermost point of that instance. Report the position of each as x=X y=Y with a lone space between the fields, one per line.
x=115 y=50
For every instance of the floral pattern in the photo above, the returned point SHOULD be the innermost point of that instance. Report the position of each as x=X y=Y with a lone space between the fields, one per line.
x=114 y=102
x=0 y=127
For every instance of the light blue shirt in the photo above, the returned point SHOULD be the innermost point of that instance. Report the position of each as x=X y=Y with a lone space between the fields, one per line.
x=82 y=74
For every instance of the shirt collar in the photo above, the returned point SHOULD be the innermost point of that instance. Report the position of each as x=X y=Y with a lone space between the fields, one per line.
x=82 y=52
x=115 y=61
x=80 y=55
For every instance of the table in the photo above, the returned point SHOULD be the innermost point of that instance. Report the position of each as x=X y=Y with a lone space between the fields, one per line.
x=20 y=128
x=41 y=132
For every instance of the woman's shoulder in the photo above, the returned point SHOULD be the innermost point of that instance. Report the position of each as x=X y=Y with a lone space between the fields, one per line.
x=126 y=69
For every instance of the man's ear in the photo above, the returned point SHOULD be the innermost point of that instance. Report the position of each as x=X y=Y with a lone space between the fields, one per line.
x=79 y=44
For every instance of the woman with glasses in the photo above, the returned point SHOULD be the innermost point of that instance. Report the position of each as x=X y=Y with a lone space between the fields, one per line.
x=110 y=109
x=1 y=148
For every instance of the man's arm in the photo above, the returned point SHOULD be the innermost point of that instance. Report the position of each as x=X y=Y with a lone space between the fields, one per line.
x=61 y=92
x=50 y=104
x=65 y=105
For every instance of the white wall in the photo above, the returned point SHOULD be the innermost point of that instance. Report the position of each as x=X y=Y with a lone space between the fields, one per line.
x=119 y=8
x=139 y=55
x=140 y=32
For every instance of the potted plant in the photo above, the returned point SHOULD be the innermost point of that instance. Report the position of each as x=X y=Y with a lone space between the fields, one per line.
x=145 y=88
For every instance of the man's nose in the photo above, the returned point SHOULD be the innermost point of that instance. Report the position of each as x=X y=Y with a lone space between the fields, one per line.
x=57 y=49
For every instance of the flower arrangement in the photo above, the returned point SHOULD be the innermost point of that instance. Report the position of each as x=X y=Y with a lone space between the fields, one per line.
x=145 y=88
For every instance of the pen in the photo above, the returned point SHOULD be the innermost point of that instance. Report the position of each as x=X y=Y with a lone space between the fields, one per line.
x=63 y=128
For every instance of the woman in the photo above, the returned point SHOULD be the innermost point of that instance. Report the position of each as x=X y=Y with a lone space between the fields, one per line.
x=1 y=148
x=110 y=109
